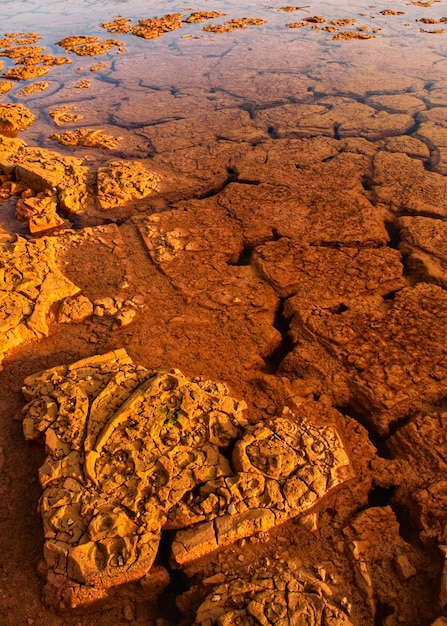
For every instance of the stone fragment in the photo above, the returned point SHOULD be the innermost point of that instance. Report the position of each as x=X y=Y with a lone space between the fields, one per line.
x=130 y=452
x=14 y=117
x=279 y=593
x=30 y=283
x=121 y=182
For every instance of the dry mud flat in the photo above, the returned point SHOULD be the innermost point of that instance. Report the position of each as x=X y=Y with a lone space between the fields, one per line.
x=230 y=355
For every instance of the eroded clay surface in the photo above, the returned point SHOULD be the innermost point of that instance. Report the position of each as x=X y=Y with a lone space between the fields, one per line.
x=277 y=594
x=126 y=448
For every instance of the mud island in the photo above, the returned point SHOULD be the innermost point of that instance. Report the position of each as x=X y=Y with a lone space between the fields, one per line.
x=223 y=265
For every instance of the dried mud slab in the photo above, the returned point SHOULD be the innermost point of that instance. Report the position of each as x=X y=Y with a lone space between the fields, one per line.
x=281 y=467
x=158 y=26
x=434 y=133
x=207 y=272
x=14 y=117
x=63 y=184
x=5 y=86
x=349 y=35
x=202 y=16
x=320 y=204
x=333 y=116
x=89 y=46
x=347 y=81
x=234 y=24
x=26 y=72
x=281 y=593
x=30 y=283
x=328 y=276
x=64 y=116
x=381 y=358
x=43 y=170
x=121 y=182
x=34 y=88
x=423 y=242
x=403 y=185
x=126 y=451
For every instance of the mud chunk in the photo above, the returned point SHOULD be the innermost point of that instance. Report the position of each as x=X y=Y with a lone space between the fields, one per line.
x=273 y=594
x=282 y=468
x=349 y=35
x=86 y=137
x=14 y=117
x=74 y=310
x=39 y=212
x=25 y=72
x=43 y=170
x=158 y=26
x=88 y=46
x=30 y=283
x=147 y=438
x=120 y=25
x=203 y=16
x=377 y=550
x=34 y=88
x=5 y=86
x=121 y=182
x=64 y=116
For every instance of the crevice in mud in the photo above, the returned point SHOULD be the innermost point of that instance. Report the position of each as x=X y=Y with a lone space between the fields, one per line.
x=382 y=612
x=244 y=257
x=393 y=234
x=380 y=496
x=177 y=586
x=282 y=325
x=378 y=441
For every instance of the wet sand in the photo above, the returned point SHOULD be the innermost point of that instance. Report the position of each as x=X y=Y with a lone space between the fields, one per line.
x=258 y=205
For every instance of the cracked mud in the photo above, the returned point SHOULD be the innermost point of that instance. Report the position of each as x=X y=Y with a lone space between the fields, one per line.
x=222 y=277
